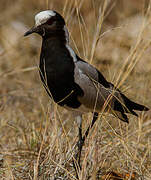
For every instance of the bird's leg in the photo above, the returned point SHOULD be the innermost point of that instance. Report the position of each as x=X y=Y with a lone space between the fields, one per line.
x=95 y=117
x=77 y=156
x=82 y=139
x=80 y=142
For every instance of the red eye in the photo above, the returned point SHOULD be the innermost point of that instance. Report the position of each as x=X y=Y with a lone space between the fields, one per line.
x=50 y=21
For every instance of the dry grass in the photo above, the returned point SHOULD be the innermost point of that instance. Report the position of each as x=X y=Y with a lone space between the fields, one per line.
x=36 y=136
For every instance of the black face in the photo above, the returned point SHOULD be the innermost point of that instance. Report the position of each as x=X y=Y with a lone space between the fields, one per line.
x=52 y=26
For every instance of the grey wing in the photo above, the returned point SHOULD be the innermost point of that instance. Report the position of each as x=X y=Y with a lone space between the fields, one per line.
x=95 y=94
x=100 y=94
x=87 y=69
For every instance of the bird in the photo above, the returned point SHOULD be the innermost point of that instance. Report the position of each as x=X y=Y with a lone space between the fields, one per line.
x=72 y=82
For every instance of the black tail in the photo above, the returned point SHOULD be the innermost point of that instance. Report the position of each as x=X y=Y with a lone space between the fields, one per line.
x=138 y=107
x=127 y=106
x=130 y=106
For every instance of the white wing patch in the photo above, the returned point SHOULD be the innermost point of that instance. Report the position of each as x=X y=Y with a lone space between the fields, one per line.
x=43 y=16
x=66 y=34
x=72 y=53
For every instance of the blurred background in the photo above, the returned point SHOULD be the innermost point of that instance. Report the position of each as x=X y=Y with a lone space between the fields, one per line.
x=112 y=35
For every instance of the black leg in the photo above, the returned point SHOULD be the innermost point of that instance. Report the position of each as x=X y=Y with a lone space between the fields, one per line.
x=82 y=140
x=95 y=117
x=76 y=160
x=80 y=144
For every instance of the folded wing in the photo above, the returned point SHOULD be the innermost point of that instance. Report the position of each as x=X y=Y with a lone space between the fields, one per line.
x=101 y=95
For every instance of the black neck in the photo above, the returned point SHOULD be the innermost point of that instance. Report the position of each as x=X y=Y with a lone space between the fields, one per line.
x=55 y=36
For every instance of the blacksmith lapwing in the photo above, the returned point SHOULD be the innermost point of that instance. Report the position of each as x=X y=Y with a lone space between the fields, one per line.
x=72 y=82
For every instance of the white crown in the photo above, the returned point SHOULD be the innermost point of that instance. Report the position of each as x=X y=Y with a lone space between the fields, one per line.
x=43 y=16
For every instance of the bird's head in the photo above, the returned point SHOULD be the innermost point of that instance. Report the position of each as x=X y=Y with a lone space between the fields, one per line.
x=48 y=23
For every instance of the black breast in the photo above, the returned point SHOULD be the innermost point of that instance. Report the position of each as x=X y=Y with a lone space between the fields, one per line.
x=57 y=74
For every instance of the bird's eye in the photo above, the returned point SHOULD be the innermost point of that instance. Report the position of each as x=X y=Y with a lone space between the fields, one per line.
x=50 y=21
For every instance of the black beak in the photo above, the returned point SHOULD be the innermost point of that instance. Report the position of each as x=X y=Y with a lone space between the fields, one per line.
x=32 y=30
